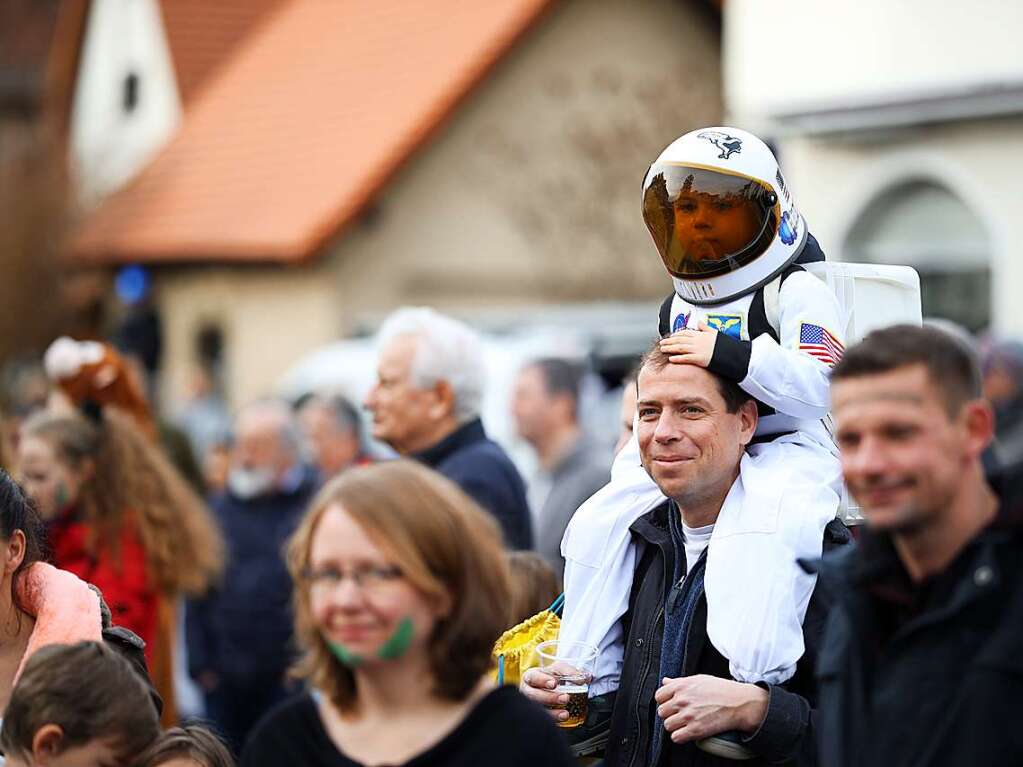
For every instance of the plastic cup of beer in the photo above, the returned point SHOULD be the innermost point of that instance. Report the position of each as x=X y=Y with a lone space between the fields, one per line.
x=572 y=664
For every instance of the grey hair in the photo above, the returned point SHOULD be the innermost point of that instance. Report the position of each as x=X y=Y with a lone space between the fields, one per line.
x=446 y=350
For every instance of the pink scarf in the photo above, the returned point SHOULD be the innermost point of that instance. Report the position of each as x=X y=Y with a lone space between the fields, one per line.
x=65 y=608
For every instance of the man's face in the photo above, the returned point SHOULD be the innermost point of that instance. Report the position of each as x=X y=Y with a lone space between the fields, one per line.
x=626 y=415
x=1000 y=385
x=333 y=447
x=689 y=443
x=259 y=446
x=404 y=416
x=711 y=226
x=903 y=457
x=531 y=405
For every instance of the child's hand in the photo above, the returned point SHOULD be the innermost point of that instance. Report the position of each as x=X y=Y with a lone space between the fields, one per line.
x=691 y=347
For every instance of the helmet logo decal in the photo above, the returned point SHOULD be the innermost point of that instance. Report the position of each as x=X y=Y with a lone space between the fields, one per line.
x=728 y=145
x=789 y=227
x=781 y=185
x=681 y=322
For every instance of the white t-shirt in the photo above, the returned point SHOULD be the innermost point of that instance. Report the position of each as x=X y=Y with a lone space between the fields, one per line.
x=697 y=539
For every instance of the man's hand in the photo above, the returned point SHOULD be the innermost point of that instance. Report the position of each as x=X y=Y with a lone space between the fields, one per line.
x=691 y=347
x=539 y=687
x=696 y=707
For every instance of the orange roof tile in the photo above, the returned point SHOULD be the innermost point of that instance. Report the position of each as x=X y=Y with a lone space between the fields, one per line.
x=202 y=35
x=290 y=140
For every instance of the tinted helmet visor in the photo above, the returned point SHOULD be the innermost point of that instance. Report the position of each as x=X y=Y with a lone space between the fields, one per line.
x=706 y=222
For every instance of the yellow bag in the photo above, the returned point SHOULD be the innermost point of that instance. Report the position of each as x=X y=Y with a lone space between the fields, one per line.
x=515 y=649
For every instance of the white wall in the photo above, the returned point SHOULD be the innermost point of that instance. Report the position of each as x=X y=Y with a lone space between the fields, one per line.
x=833 y=181
x=785 y=56
x=108 y=144
x=270 y=317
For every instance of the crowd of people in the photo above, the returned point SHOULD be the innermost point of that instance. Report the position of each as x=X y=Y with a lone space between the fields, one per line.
x=336 y=607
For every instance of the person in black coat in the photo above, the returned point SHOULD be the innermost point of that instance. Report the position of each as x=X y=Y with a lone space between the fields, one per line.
x=401 y=590
x=676 y=702
x=240 y=636
x=922 y=653
x=426 y=405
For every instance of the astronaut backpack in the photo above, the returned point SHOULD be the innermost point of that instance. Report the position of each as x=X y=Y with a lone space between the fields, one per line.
x=725 y=226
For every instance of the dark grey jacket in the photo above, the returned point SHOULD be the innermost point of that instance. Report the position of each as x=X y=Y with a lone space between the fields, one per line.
x=785 y=737
x=928 y=674
x=579 y=475
x=484 y=471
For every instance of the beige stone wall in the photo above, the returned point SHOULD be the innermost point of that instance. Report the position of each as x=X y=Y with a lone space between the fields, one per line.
x=834 y=180
x=530 y=194
x=270 y=317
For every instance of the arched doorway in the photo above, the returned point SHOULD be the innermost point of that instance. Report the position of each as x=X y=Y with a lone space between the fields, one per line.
x=923 y=224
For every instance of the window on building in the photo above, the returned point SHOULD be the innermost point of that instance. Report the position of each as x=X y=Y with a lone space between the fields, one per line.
x=209 y=352
x=923 y=224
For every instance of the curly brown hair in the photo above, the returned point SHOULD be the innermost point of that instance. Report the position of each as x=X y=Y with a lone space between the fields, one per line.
x=132 y=476
x=443 y=543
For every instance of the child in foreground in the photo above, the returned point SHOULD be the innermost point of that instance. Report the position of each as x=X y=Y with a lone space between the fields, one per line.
x=79 y=705
x=190 y=746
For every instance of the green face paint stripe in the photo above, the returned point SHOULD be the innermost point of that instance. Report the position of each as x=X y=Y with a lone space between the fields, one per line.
x=399 y=642
x=396 y=646
x=343 y=654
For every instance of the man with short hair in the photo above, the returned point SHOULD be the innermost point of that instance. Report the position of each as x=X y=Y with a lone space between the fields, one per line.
x=675 y=689
x=545 y=405
x=426 y=405
x=239 y=637
x=922 y=651
x=333 y=432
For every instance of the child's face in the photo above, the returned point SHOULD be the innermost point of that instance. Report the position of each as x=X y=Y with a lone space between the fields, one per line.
x=180 y=761
x=95 y=753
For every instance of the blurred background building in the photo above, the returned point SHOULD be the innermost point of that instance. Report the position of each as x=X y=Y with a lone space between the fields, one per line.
x=900 y=128
x=289 y=171
x=239 y=191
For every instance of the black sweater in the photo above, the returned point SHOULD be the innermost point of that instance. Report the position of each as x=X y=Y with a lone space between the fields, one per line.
x=502 y=730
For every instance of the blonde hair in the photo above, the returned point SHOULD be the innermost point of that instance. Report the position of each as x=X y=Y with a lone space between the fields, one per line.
x=132 y=476
x=446 y=547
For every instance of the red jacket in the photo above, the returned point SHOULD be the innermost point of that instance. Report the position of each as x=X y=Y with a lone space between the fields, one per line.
x=124 y=579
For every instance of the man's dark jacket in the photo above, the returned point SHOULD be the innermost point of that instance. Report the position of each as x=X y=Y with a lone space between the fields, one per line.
x=243 y=629
x=786 y=735
x=483 y=470
x=925 y=674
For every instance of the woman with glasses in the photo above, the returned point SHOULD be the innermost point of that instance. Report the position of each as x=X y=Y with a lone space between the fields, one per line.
x=401 y=589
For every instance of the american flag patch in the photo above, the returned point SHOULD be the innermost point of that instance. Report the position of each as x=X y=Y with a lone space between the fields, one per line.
x=819 y=343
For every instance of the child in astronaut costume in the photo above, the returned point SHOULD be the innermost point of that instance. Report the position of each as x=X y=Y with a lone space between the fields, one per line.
x=730 y=236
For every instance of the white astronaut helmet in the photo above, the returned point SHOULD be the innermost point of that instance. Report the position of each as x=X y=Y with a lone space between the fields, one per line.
x=720 y=214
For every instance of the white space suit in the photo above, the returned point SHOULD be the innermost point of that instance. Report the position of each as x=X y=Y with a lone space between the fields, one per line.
x=789 y=484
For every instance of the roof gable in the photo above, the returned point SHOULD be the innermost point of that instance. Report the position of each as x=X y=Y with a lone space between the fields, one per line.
x=298 y=132
x=202 y=35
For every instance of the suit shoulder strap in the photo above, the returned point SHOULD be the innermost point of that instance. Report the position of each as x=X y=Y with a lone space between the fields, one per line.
x=664 y=316
x=771 y=292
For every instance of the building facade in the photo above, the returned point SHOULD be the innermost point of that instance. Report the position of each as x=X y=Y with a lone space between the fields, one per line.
x=899 y=126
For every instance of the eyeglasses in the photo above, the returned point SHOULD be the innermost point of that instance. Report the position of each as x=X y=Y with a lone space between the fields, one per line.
x=368 y=578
